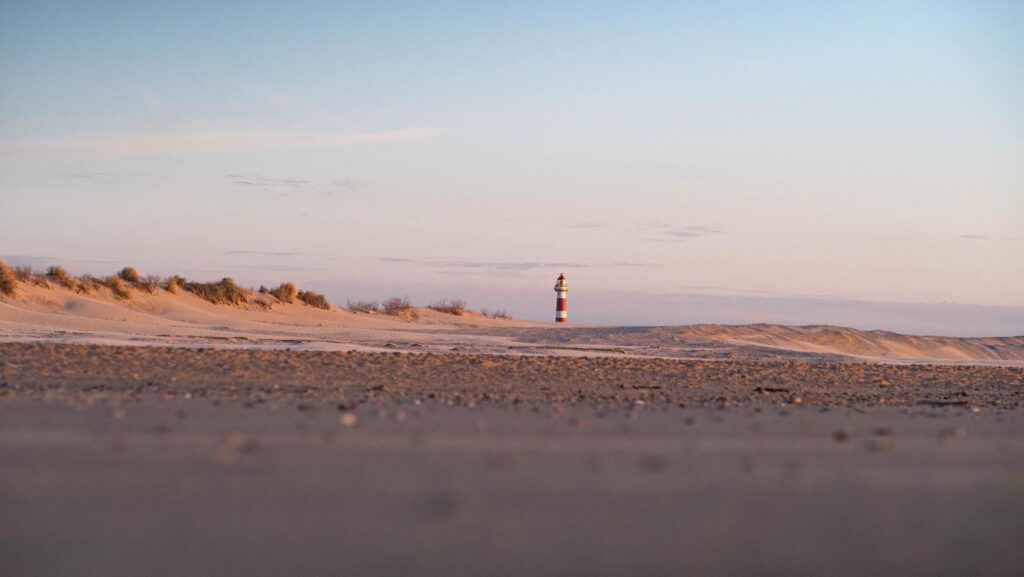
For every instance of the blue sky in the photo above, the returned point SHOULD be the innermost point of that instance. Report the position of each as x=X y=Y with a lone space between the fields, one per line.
x=855 y=154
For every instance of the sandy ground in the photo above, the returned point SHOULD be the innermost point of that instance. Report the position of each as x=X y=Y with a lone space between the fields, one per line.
x=178 y=461
x=243 y=441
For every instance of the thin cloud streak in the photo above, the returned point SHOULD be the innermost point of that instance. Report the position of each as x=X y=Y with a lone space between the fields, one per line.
x=199 y=142
x=505 y=266
x=260 y=253
x=670 y=234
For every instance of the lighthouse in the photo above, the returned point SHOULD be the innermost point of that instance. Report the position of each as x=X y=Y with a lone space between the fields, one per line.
x=561 y=289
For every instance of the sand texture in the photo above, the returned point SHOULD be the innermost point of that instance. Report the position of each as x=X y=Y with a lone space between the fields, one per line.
x=251 y=462
x=167 y=435
x=55 y=314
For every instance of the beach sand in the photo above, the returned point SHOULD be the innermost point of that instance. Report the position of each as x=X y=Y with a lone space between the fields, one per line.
x=167 y=435
x=184 y=461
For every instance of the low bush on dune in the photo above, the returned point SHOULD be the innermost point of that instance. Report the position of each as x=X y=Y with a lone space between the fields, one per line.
x=314 y=299
x=396 y=306
x=128 y=274
x=88 y=284
x=173 y=284
x=224 y=292
x=149 y=283
x=286 y=292
x=500 y=314
x=28 y=275
x=118 y=287
x=8 y=280
x=25 y=273
x=59 y=275
x=363 y=306
x=452 y=307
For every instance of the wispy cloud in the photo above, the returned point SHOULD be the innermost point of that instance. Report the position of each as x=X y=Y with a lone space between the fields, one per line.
x=336 y=187
x=199 y=142
x=83 y=175
x=34 y=260
x=256 y=180
x=670 y=233
x=975 y=237
x=261 y=253
x=505 y=266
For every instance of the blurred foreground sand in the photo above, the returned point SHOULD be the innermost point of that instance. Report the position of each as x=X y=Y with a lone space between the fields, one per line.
x=178 y=461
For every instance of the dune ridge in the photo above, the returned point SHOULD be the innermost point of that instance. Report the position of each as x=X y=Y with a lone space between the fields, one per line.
x=54 y=313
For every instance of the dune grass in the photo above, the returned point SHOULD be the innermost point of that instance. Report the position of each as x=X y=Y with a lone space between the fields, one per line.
x=128 y=274
x=88 y=284
x=223 y=292
x=118 y=287
x=396 y=306
x=149 y=283
x=59 y=275
x=314 y=299
x=500 y=314
x=8 y=280
x=286 y=292
x=174 y=283
x=363 y=306
x=455 y=307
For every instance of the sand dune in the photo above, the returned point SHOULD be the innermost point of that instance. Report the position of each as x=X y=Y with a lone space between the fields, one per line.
x=56 y=314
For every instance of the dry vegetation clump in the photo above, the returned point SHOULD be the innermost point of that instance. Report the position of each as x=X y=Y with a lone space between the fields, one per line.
x=118 y=286
x=59 y=275
x=174 y=283
x=8 y=280
x=363 y=306
x=88 y=284
x=128 y=274
x=314 y=299
x=455 y=307
x=286 y=292
x=500 y=314
x=225 y=292
x=396 y=306
x=25 y=273
x=149 y=283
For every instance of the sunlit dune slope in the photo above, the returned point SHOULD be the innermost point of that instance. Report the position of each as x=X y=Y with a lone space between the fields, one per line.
x=56 y=314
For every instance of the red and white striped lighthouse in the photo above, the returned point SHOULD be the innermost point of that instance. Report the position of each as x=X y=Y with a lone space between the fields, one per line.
x=562 y=289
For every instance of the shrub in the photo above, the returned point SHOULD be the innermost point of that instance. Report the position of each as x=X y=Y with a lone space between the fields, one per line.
x=396 y=306
x=264 y=290
x=59 y=275
x=8 y=279
x=497 y=314
x=453 y=307
x=225 y=292
x=363 y=306
x=128 y=274
x=117 y=285
x=25 y=273
x=174 y=283
x=286 y=292
x=314 y=299
x=88 y=284
x=149 y=283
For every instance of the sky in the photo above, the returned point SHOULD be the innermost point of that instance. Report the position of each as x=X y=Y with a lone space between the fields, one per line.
x=857 y=163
